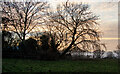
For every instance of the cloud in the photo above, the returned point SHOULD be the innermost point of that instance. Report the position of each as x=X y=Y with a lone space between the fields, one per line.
x=108 y=13
x=109 y=29
x=105 y=10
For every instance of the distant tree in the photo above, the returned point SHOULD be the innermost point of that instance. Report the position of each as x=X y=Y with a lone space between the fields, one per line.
x=118 y=51
x=118 y=46
x=28 y=47
x=98 y=53
x=72 y=25
x=110 y=55
x=45 y=41
x=8 y=36
x=48 y=42
x=6 y=39
x=22 y=17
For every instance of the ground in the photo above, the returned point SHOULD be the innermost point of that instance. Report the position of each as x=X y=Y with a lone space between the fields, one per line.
x=23 y=65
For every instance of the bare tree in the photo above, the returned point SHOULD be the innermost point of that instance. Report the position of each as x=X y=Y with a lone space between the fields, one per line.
x=118 y=51
x=23 y=16
x=98 y=53
x=110 y=54
x=74 y=25
x=118 y=46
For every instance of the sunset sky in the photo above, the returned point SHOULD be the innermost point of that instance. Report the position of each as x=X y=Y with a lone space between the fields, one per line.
x=108 y=14
x=107 y=10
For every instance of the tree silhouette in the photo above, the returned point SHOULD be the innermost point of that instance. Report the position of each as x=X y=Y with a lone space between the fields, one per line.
x=22 y=16
x=98 y=53
x=74 y=25
x=6 y=39
x=118 y=51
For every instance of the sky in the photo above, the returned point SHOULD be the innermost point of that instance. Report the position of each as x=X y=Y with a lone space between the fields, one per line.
x=108 y=13
x=108 y=23
x=107 y=10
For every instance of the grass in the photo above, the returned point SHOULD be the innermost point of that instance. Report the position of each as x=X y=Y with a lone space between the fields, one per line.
x=22 y=65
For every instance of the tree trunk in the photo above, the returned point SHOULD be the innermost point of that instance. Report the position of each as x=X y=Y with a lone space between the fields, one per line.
x=23 y=37
x=66 y=50
x=53 y=44
x=70 y=46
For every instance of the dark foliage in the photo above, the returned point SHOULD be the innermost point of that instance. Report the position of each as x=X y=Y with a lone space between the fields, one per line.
x=29 y=49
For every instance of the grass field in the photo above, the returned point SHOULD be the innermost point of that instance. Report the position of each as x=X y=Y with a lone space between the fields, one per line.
x=20 y=65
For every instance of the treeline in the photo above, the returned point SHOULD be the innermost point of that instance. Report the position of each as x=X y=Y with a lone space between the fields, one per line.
x=70 y=26
x=31 y=48
x=43 y=48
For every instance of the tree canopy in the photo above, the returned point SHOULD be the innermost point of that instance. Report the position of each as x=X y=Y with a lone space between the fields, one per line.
x=22 y=17
x=74 y=25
